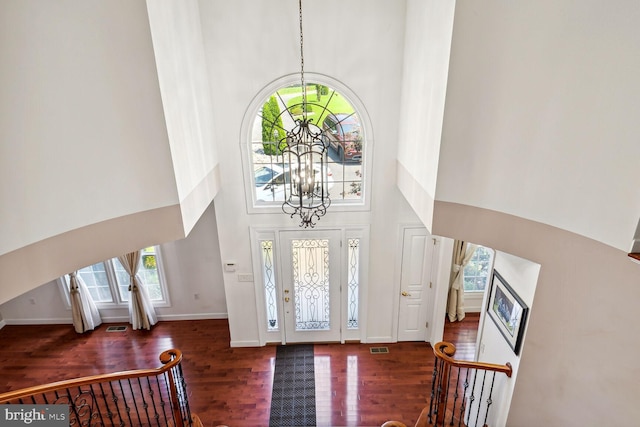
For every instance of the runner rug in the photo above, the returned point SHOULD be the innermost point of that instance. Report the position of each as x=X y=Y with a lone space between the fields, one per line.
x=293 y=400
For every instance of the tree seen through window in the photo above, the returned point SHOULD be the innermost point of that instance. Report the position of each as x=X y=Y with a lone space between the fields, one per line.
x=477 y=271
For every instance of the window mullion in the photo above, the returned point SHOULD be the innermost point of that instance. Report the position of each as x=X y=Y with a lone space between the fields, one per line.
x=113 y=282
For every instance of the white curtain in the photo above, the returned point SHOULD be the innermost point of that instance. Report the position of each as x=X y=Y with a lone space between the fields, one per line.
x=462 y=253
x=142 y=315
x=83 y=309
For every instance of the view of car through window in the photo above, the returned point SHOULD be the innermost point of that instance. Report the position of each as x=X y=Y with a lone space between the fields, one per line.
x=272 y=189
x=341 y=131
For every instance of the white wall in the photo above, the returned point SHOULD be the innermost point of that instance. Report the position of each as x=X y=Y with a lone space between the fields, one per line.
x=186 y=97
x=363 y=53
x=427 y=42
x=80 y=97
x=522 y=276
x=581 y=300
x=191 y=265
x=43 y=304
x=84 y=138
x=542 y=112
x=538 y=159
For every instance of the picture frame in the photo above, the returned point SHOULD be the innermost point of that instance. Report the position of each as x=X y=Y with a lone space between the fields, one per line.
x=508 y=311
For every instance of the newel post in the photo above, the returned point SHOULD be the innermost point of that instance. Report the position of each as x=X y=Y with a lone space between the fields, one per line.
x=175 y=403
x=174 y=357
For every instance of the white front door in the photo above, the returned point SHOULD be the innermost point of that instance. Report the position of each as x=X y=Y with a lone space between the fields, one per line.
x=415 y=283
x=311 y=285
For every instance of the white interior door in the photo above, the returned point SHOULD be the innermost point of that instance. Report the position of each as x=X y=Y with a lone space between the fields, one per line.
x=311 y=285
x=415 y=282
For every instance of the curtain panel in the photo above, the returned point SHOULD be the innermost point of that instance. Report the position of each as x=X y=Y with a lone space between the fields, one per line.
x=86 y=316
x=462 y=253
x=142 y=315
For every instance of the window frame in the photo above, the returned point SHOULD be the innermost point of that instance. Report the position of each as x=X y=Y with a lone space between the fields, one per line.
x=489 y=271
x=117 y=301
x=346 y=205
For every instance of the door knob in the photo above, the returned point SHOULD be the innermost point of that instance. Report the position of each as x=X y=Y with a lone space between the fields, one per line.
x=286 y=291
x=286 y=299
x=406 y=294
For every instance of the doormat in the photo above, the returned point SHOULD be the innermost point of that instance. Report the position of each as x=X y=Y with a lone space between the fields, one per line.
x=293 y=400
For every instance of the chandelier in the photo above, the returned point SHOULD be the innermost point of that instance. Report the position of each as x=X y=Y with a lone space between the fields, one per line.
x=305 y=157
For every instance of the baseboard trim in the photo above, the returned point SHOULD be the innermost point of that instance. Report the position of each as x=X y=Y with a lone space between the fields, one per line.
x=473 y=301
x=2 y=324
x=114 y=319
x=253 y=343
x=62 y=321
x=199 y=316
x=380 y=340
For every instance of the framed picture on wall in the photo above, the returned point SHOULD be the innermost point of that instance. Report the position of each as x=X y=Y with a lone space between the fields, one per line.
x=508 y=311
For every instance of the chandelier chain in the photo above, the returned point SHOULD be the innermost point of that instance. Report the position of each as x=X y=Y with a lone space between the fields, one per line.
x=305 y=158
x=304 y=88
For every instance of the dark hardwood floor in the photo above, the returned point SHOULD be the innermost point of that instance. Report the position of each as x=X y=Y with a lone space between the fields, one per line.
x=232 y=386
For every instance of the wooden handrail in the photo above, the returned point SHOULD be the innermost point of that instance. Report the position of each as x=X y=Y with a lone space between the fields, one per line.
x=168 y=358
x=446 y=350
x=444 y=363
x=179 y=416
x=443 y=372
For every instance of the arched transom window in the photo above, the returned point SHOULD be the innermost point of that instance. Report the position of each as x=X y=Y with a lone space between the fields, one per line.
x=343 y=132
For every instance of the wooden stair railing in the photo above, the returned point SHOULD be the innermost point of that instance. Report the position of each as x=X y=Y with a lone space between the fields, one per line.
x=460 y=379
x=458 y=382
x=141 y=397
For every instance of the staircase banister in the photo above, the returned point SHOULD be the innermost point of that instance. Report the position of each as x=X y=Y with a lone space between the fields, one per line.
x=168 y=358
x=445 y=351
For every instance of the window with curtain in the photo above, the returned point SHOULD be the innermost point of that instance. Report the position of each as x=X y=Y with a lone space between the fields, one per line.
x=108 y=281
x=478 y=271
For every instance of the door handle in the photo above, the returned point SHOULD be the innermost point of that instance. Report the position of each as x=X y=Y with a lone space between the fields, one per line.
x=286 y=299
x=406 y=294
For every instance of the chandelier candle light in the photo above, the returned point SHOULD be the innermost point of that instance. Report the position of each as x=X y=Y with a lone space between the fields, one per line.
x=305 y=157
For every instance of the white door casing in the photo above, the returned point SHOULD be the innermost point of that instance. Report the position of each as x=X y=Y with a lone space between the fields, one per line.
x=415 y=284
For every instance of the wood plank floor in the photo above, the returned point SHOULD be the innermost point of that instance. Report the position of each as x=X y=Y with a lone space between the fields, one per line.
x=232 y=386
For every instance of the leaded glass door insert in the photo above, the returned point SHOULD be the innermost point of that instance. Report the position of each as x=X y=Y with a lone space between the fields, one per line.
x=311 y=291
x=311 y=287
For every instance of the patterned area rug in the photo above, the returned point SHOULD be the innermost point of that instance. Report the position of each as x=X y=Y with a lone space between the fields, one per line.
x=293 y=400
